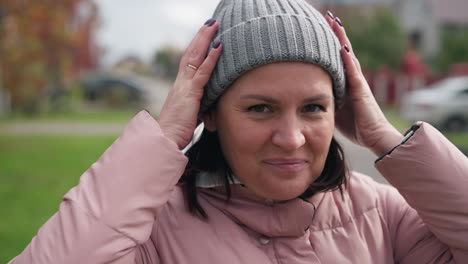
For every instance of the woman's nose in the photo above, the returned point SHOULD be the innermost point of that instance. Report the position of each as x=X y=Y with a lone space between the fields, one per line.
x=288 y=135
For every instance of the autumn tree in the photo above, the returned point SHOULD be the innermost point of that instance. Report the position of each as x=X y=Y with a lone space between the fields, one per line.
x=43 y=45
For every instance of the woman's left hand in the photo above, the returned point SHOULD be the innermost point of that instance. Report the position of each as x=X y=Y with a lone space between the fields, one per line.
x=360 y=119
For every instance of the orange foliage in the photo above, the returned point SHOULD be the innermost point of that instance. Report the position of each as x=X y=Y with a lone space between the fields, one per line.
x=44 y=45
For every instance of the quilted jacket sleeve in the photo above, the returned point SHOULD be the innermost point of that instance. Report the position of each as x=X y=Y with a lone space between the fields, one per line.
x=108 y=216
x=432 y=176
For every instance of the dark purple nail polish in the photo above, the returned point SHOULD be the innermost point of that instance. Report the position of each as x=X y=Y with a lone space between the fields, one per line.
x=330 y=14
x=338 y=20
x=346 y=48
x=216 y=44
x=212 y=22
x=208 y=21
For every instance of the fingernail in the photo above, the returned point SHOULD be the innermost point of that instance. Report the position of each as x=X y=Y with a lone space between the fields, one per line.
x=338 y=20
x=330 y=14
x=346 y=48
x=216 y=44
x=212 y=22
x=208 y=21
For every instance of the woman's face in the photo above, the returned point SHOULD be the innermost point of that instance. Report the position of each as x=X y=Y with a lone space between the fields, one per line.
x=275 y=125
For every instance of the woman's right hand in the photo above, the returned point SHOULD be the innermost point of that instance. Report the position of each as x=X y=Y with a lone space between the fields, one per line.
x=178 y=117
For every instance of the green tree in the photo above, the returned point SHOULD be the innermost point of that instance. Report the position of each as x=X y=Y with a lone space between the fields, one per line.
x=377 y=40
x=453 y=49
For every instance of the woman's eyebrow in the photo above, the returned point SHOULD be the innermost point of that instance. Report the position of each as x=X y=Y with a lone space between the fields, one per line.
x=319 y=97
x=260 y=97
x=274 y=101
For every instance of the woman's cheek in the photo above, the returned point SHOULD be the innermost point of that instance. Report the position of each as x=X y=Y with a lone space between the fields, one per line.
x=321 y=132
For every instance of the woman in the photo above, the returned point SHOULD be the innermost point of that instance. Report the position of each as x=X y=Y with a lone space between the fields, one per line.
x=266 y=181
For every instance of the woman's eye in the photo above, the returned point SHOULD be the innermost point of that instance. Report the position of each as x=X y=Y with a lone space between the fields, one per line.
x=260 y=108
x=312 y=108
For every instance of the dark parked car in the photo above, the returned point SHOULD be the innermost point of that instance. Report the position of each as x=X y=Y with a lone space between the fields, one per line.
x=115 y=90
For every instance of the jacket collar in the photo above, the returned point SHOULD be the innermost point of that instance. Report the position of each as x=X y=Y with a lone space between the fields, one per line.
x=272 y=219
x=212 y=180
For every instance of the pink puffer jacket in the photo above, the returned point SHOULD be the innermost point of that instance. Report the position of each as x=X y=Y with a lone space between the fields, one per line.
x=128 y=209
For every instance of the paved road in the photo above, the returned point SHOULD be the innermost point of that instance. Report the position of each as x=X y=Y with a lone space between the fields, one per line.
x=360 y=159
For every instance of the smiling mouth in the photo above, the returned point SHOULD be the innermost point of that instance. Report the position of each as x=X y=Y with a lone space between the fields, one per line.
x=287 y=166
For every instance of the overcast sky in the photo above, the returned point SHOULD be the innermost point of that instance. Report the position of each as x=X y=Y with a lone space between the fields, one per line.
x=139 y=27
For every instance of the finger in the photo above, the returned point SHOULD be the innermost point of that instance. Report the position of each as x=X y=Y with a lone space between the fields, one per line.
x=353 y=73
x=204 y=72
x=196 y=52
x=195 y=40
x=340 y=32
x=193 y=48
x=330 y=18
x=358 y=87
x=357 y=63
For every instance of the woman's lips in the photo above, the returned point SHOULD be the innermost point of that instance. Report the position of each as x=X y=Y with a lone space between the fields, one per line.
x=287 y=165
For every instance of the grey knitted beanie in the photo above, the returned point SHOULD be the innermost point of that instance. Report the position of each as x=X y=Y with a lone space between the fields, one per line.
x=258 y=32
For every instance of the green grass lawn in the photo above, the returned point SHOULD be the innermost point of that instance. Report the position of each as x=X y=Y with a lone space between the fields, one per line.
x=459 y=139
x=94 y=115
x=35 y=172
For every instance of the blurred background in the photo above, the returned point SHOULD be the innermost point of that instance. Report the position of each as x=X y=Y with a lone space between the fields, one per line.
x=73 y=72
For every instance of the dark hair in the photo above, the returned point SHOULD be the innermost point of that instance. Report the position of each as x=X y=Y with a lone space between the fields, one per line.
x=206 y=156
